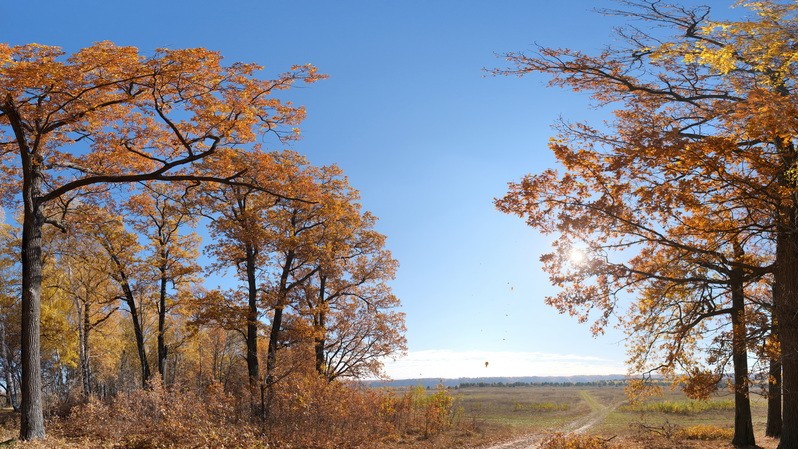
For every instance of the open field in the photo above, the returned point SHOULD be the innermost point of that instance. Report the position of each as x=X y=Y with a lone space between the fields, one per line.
x=603 y=411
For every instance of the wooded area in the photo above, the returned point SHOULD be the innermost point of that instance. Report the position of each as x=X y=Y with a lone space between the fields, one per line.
x=113 y=160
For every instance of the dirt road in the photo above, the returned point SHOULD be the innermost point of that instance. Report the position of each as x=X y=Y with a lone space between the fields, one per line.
x=598 y=413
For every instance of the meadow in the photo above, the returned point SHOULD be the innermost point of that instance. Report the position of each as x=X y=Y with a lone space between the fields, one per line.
x=669 y=420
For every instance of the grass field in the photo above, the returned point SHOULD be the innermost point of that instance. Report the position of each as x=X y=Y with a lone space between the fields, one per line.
x=601 y=411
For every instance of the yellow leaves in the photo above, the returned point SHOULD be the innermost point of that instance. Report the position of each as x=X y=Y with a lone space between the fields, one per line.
x=639 y=390
x=723 y=60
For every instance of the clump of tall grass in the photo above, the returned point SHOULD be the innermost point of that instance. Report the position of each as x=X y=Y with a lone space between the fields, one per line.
x=563 y=441
x=706 y=432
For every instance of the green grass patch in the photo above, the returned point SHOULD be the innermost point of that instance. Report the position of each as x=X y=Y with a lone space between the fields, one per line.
x=590 y=400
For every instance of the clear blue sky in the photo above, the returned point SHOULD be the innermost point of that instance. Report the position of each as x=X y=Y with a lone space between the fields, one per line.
x=420 y=130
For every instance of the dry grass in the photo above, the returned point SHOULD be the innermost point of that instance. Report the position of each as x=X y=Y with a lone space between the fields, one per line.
x=319 y=415
x=308 y=413
x=561 y=441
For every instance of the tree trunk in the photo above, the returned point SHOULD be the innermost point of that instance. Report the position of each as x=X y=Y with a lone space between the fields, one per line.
x=743 y=426
x=773 y=428
x=274 y=333
x=130 y=300
x=32 y=417
x=253 y=368
x=85 y=366
x=8 y=363
x=786 y=313
x=271 y=357
x=162 y=351
x=321 y=329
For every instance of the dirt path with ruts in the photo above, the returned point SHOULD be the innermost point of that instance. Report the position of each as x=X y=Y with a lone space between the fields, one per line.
x=598 y=413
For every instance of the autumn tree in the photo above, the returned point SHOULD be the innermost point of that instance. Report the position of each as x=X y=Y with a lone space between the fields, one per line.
x=706 y=116
x=238 y=215
x=298 y=235
x=159 y=215
x=348 y=302
x=84 y=278
x=357 y=334
x=9 y=313
x=108 y=115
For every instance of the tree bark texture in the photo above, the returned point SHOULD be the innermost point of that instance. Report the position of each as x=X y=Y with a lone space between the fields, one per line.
x=253 y=368
x=32 y=417
x=786 y=314
x=773 y=427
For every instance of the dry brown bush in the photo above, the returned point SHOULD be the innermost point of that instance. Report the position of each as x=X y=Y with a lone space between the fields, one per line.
x=311 y=412
x=159 y=418
x=307 y=412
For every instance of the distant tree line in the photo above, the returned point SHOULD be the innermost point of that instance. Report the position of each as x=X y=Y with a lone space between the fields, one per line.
x=593 y=383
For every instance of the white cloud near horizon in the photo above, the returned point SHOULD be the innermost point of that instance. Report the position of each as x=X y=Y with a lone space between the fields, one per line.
x=447 y=364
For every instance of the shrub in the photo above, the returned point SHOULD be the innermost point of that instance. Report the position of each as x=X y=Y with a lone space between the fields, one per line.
x=157 y=417
x=310 y=412
x=563 y=441
x=706 y=432
x=417 y=412
x=306 y=411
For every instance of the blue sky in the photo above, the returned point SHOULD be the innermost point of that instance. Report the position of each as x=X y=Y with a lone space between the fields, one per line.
x=421 y=131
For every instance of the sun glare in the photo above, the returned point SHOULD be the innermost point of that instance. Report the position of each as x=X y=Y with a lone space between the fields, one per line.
x=577 y=256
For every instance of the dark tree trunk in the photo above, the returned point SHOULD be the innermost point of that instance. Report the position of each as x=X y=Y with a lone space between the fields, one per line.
x=32 y=416
x=130 y=300
x=274 y=333
x=271 y=357
x=743 y=426
x=162 y=351
x=321 y=330
x=8 y=363
x=786 y=314
x=773 y=427
x=253 y=368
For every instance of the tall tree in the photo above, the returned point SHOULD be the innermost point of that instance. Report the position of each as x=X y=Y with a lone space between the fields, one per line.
x=85 y=279
x=708 y=116
x=349 y=304
x=158 y=214
x=107 y=115
x=239 y=222
x=127 y=270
